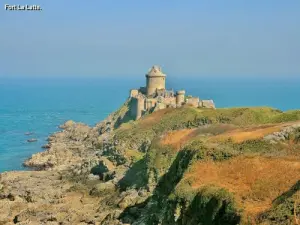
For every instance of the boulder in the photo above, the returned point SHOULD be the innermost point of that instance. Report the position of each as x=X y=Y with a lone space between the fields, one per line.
x=93 y=177
x=67 y=124
x=46 y=146
x=103 y=188
x=103 y=167
x=130 y=199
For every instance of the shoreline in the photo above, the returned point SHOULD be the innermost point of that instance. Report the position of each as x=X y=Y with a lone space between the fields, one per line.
x=121 y=174
x=55 y=179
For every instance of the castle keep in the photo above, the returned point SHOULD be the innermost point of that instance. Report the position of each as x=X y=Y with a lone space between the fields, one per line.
x=154 y=96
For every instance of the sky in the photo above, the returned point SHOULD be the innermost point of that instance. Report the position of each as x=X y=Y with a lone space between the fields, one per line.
x=96 y=38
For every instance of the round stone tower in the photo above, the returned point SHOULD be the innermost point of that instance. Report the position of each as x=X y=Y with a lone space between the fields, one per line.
x=180 y=97
x=156 y=79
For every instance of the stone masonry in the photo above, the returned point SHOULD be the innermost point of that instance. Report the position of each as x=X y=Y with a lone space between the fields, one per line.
x=154 y=96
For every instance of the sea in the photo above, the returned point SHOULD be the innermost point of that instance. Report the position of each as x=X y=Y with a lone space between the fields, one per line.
x=40 y=105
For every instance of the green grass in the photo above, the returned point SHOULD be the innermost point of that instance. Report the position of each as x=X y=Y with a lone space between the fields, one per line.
x=133 y=155
x=164 y=167
x=135 y=133
x=287 y=116
x=284 y=208
x=207 y=205
x=122 y=115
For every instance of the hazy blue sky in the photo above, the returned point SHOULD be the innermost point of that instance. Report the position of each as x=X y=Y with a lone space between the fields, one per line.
x=193 y=37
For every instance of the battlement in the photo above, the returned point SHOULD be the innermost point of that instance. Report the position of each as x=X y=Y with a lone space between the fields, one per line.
x=180 y=92
x=155 y=97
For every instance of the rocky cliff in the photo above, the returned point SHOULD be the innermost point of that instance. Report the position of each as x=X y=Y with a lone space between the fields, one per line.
x=174 y=166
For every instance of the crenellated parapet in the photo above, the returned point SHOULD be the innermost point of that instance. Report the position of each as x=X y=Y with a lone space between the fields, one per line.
x=155 y=97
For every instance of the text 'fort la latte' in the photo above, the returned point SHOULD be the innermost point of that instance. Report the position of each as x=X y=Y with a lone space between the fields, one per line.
x=22 y=7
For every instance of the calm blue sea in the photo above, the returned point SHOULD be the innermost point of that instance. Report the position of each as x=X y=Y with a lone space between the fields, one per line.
x=41 y=105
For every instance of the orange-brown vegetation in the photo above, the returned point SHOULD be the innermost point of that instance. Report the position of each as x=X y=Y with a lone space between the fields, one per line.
x=178 y=138
x=221 y=132
x=255 y=181
x=250 y=133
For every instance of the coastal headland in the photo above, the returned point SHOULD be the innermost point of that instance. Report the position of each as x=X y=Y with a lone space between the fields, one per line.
x=176 y=165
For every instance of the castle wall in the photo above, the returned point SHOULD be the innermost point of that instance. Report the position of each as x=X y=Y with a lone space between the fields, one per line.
x=150 y=103
x=137 y=107
x=133 y=107
x=140 y=107
x=159 y=106
x=153 y=83
x=170 y=101
x=180 y=98
x=193 y=101
x=155 y=96
x=207 y=104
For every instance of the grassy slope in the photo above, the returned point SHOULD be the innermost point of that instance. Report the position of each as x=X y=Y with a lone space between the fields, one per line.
x=199 y=177
x=161 y=121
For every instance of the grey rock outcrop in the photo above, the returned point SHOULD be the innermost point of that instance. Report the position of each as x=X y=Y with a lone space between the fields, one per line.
x=282 y=135
x=68 y=147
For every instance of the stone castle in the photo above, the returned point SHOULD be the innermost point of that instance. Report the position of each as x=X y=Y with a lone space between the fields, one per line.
x=154 y=96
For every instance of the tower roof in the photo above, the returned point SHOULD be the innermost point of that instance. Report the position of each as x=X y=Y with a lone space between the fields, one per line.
x=180 y=92
x=155 y=71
